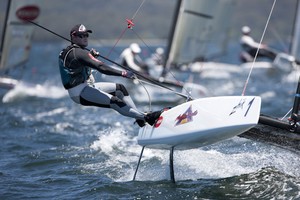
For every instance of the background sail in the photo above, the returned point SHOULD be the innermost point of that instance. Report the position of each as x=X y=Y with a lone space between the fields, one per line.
x=17 y=35
x=200 y=31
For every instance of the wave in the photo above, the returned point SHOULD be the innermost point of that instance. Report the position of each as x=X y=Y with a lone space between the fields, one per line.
x=24 y=90
x=230 y=158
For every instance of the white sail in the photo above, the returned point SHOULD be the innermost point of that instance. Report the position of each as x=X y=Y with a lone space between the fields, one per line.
x=17 y=35
x=200 y=31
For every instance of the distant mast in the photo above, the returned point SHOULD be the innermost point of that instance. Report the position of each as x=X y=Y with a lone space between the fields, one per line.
x=4 y=29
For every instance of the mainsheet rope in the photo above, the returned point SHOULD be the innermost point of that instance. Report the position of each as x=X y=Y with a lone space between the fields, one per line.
x=256 y=54
x=130 y=25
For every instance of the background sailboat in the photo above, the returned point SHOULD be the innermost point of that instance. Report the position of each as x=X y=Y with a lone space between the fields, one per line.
x=200 y=41
x=284 y=131
x=200 y=35
x=199 y=31
x=16 y=40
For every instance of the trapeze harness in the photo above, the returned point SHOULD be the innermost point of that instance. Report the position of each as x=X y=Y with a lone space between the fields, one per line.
x=75 y=66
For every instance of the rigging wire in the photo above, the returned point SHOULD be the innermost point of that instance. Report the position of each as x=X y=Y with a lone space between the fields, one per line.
x=256 y=54
x=287 y=114
x=114 y=46
x=280 y=40
x=136 y=12
x=188 y=97
x=148 y=95
x=130 y=25
x=179 y=82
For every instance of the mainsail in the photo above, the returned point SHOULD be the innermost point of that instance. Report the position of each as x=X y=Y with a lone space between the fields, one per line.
x=200 y=29
x=17 y=33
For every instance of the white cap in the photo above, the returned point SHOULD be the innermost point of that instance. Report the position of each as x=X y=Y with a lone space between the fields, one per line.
x=135 y=48
x=246 y=29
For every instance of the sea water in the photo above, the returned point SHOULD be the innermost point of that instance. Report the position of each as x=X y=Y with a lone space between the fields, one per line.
x=52 y=148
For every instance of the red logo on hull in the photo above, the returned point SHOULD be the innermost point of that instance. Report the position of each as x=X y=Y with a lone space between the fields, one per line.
x=158 y=122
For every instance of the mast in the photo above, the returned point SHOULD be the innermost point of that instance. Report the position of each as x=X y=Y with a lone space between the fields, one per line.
x=171 y=37
x=4 y=28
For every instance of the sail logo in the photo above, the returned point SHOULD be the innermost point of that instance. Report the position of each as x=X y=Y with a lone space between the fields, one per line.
x=186 y=117
x=28 y=13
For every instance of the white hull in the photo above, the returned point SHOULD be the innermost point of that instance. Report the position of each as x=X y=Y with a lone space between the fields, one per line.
x=202 y=122
x=8 y=83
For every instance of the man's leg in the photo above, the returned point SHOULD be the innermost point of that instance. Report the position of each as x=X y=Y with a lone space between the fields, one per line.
x=91 y=96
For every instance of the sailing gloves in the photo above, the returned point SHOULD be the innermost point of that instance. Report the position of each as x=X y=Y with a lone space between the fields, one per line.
x=128 y=74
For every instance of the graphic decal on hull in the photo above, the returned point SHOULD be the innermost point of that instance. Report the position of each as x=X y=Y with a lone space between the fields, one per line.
x=241 y=106
x=186 y=117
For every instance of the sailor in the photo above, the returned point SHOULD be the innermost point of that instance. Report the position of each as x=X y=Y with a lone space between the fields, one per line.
x=130 y=58
x=158 y=56
x=76 y=63
x=250 y=47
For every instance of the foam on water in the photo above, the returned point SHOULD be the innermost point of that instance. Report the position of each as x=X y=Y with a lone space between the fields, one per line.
x=230 y=158
x=23 y=90
x=236 y=157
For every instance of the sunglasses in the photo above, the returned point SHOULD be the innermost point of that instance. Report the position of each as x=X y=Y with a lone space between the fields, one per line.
x=82 y=35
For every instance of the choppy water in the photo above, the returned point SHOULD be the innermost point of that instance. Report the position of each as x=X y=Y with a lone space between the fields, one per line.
x=52 y=148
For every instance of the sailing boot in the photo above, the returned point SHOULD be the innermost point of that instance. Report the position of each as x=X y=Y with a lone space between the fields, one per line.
x=140 y=122
x=151 y=118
